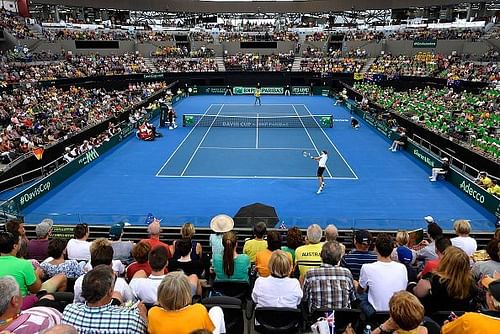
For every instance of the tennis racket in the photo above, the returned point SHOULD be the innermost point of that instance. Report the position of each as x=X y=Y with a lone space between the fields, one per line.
x=307 y=155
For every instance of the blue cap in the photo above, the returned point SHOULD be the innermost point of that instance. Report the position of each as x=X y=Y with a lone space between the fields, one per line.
x=405 y=255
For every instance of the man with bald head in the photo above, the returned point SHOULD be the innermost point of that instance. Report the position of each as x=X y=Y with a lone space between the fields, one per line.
x=309 y=255
x=331 y=234
x=154 y=230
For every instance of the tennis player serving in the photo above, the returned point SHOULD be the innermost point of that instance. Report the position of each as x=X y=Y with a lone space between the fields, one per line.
x=321 y=159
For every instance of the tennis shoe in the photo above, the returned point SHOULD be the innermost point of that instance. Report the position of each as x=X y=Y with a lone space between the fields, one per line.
x=319 y=191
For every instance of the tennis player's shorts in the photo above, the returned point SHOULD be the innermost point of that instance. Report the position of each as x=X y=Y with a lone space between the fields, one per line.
x=320 y=171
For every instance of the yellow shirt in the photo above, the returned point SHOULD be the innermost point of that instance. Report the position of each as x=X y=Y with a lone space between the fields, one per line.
x=182 y=321
x=473 y=323
x=253 y=246
x=257 y=93
x=308 y=256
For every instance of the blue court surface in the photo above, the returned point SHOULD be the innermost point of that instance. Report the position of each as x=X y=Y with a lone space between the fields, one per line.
x=193 y=173
x=256 y=151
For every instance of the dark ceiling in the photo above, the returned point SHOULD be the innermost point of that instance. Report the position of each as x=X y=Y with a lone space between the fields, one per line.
x=197 y=6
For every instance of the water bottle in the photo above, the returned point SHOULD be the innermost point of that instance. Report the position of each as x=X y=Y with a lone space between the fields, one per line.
x=368 y=330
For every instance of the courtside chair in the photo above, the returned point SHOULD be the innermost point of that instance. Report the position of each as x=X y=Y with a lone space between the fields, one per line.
x=233 y=312
x=278 y=320
x=237 y=289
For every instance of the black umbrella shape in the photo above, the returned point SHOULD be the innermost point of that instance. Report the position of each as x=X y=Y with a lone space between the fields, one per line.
x=248 y=216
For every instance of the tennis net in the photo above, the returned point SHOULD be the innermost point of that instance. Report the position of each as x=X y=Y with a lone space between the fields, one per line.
x=307 y=121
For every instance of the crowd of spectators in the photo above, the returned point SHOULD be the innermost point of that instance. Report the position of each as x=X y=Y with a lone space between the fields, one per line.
x=255 y=37
x=317 y=61
x=333 y=62
x=73 y=66
x=472 y=118
x=156 y=36
x=16 y=25
x=470 y=71
x=425 y=33
x=317 y=37
x=189 y=64
x=422 y=64
x=87 y=34
x=440 y=284
x=412 y=34
x=254 y=62
x=42 y=116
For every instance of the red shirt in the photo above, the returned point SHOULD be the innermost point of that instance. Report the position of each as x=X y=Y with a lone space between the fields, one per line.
x=430 y=266
x=135 y=267
x=156 y=242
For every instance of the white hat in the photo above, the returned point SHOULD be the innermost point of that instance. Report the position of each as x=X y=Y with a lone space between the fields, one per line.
x=445 y=159
x=221 y=223
x=429 y=219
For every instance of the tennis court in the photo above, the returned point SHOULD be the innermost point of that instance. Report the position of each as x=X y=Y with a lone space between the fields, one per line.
x=252 y=141
x=193 y=173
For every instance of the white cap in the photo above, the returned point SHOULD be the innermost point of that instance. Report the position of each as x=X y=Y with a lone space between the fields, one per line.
x=429 y=219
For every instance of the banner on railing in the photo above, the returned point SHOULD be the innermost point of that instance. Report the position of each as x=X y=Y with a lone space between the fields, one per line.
x=263 y=90
x=424 y=43
x=301 y=90
x=472 y=190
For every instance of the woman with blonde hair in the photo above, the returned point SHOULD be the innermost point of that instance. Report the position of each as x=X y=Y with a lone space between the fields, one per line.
x=451 y=286
x=402 y=241
x=187 y=232
x=407 y=314
x=231 y=266
x=174 y=312
x=462 y=229
x=278 y=290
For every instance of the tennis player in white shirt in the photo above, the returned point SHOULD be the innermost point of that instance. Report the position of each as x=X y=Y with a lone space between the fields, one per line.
x=321 y=159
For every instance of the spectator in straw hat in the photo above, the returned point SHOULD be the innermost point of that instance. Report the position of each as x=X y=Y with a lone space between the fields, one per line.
x=220 y=224
x=38 y=248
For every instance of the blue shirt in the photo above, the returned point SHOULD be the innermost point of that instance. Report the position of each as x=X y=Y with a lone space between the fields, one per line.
x=355 y=259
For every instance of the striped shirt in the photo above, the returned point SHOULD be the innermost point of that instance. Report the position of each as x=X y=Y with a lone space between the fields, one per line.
x=107 y=319
x=34 y=320
x=355 y=259
x=329 y=287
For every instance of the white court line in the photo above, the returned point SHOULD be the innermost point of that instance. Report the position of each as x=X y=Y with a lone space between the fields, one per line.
x=257 y=131
x=335 y=147
x=201 y=141
x=256 y=177
x=254 y=148
x=252 y=105
x=182 y=142
x=307 y=132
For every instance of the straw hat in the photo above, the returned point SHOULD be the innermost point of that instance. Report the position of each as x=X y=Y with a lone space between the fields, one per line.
x=221 y=223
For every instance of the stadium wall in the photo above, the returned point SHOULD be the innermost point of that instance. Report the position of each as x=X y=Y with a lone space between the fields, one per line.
x=373 y=48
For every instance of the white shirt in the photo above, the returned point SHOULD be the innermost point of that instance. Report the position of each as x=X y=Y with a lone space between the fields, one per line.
x=118 y=267
x=277 y=292
x=322 y=160
x=121 y=286
x=146 y=288
x=383 y=279
x=78 y=249
x=467 y=244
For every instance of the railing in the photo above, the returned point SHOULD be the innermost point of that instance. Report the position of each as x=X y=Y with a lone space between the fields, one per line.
x=108 y=219
x=471 y=171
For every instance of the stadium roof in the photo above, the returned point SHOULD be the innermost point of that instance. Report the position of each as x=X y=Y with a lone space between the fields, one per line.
x=249 y=6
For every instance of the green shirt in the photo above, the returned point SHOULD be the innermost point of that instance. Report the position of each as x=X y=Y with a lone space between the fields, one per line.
x=241 y=266
x=22 y=270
